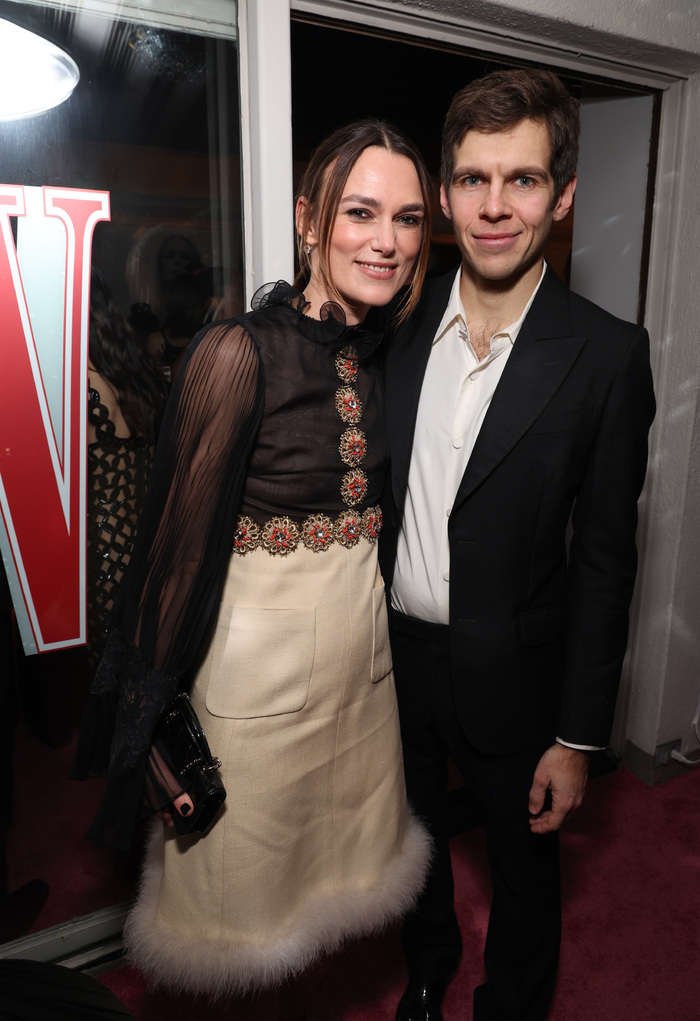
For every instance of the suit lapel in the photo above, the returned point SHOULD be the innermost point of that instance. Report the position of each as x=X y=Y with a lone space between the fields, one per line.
x=542 y=357
x=407 y=358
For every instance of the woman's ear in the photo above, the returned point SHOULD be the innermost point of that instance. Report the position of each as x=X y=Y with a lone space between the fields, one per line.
x=305 y=228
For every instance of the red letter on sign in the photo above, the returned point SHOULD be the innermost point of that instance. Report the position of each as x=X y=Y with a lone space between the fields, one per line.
x=43 y=495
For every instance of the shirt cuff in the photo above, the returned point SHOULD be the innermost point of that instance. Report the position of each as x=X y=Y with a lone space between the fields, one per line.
x=580 y=747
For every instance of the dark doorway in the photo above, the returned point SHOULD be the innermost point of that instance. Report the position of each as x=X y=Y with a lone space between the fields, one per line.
x=342 y=73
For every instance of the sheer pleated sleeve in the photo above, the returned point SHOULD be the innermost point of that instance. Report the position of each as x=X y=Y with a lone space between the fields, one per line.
x=167 y=603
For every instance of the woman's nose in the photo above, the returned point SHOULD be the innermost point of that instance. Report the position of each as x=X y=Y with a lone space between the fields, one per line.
x=385 y=236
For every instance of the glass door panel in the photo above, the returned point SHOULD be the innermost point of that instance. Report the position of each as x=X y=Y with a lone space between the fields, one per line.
x=154 y=121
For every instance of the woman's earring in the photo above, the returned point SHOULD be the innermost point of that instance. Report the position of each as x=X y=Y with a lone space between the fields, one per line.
x=308 y=249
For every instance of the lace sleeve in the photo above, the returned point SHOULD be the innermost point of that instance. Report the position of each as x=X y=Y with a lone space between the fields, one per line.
x=167 y=602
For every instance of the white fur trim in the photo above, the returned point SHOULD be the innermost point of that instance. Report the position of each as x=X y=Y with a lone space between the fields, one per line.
x=219 y=968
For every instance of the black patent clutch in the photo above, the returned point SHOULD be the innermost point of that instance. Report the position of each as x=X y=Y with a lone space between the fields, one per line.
x=179 y=734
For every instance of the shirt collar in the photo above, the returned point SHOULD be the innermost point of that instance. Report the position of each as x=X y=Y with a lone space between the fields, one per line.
x=455 y=315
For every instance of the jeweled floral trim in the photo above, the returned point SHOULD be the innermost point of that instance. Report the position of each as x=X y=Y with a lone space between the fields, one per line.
x=247 y=535
x=280 y=536
x=317 y=532
x=348 y=405
x=353 y=446
x=372 y=524
x=354 y=487
x=346 y=363
x=348 y=528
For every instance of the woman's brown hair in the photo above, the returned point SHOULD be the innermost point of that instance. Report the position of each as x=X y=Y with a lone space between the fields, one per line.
x=322 y=187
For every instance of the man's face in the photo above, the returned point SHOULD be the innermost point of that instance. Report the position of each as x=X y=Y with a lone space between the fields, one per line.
x=501 y=201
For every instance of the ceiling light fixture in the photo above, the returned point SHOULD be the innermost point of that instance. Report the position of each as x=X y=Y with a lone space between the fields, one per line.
x=35 y=75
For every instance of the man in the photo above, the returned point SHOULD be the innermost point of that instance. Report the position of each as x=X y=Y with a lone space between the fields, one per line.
x=518 y=417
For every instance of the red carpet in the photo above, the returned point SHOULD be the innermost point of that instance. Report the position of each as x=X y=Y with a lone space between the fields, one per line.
x=46 y=836
x=631 y=951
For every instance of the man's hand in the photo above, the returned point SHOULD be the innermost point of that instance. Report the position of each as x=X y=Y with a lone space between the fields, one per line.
x=564 y=772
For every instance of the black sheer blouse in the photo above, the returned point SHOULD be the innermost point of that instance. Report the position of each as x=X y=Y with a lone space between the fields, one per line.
x=254 y=427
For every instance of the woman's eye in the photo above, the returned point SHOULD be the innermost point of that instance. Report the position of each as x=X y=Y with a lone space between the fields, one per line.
x=409 y=220
x=358 y=214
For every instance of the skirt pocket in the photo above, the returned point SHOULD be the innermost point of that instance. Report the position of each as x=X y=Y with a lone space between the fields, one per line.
x=261 y=661
x=381 y=652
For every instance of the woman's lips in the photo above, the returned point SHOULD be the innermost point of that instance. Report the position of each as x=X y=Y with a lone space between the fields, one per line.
x=378 y=270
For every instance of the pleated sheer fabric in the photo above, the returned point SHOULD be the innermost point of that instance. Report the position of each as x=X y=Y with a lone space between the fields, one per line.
x=167 y=600
x=218 y=456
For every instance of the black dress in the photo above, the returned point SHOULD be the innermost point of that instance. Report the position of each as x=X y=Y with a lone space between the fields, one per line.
x=118 y=471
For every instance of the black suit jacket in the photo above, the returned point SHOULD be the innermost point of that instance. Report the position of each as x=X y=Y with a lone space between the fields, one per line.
x=538 y=623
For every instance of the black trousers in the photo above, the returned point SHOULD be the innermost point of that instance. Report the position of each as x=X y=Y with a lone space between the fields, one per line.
x=522 y=944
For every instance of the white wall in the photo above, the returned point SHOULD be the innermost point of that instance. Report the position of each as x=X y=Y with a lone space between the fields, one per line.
x=662 y=674
x=611 y=201
x=665 y=658
x=651 y=33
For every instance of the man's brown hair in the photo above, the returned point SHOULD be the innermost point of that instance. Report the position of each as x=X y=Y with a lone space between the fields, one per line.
x=501 y=100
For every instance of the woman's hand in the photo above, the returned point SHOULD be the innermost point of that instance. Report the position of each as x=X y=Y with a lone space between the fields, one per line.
x=162 y=782
x=183 y=805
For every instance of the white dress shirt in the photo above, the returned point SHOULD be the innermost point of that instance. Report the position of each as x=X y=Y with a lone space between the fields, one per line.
x=456 y=394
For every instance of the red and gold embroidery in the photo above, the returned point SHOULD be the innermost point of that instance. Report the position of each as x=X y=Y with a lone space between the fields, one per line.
x=280 y=536
x=348 y=528
x=372 y=524
x=317 y=533
x=346 y=363
x=246 y=537
x=348 y=405
x=353 y=446
x=354 y=487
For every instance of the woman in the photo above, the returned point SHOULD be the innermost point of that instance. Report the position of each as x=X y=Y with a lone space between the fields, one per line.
x=189 y=303
x=264 y=517
x=126 y=398
x=154 y=260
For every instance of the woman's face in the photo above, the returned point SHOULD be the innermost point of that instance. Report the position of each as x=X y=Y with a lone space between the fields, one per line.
x=376 y=237
x=174 y=257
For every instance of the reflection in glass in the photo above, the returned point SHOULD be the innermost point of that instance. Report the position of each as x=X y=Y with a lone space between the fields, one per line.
x=154 y=120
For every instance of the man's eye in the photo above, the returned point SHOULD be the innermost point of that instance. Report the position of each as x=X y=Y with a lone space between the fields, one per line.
x=525 y=181
x=471 y=180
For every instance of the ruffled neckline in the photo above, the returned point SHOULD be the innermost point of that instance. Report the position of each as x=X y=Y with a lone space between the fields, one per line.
x=331 y=328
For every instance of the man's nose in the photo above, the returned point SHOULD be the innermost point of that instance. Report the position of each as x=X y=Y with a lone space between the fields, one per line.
x=496 y=204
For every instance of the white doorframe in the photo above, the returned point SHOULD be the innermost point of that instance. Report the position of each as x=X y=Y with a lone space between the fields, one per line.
x=266 y=141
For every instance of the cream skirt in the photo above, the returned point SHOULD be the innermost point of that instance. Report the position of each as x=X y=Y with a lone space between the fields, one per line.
x=315 y=843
